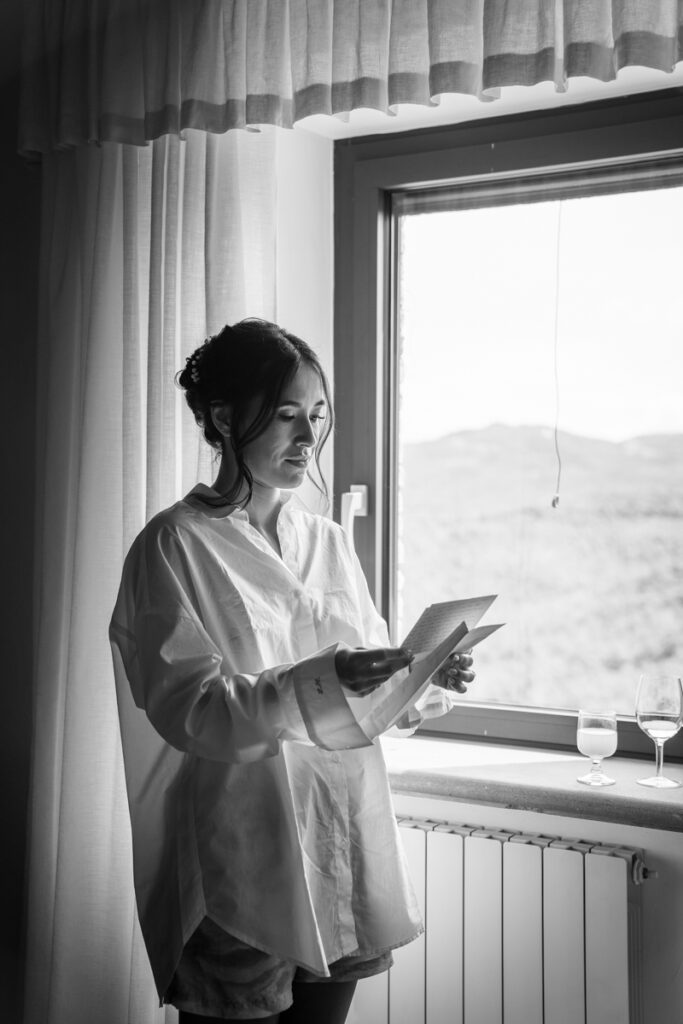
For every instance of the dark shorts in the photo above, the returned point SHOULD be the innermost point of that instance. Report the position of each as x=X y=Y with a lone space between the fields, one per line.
x=220 y=976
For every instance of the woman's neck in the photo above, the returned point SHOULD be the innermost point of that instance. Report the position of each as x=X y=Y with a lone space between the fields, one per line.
x=262 y=508
x=263 y=511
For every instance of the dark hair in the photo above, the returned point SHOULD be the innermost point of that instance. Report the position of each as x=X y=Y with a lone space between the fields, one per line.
x=250 y=359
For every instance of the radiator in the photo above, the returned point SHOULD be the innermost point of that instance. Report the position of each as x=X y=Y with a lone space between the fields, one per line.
x=519 y=929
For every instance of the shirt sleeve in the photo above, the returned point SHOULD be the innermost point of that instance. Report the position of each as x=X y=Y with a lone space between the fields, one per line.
x=175 y=672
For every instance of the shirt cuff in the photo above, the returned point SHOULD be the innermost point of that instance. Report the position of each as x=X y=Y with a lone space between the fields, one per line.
x=329 y=721
x=435 y=701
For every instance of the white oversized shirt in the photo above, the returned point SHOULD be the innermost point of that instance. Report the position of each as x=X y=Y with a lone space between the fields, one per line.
x=250 y=799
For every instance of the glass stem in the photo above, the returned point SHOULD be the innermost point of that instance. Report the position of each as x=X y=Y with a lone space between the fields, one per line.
x=659 y=755
x=596 y=767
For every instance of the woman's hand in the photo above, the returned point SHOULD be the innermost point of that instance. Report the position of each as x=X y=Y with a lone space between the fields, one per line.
x=455 y=673
x=364 y=669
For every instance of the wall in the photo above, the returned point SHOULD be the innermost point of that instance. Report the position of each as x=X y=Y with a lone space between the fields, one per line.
x=19 y=242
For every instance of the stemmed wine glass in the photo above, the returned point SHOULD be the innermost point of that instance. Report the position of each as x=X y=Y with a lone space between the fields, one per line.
x=659 y=710
x=596 y=737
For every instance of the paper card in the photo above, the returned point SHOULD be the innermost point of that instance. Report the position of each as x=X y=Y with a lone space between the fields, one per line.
x=476 y=635
x=439 y=620
x=380 y=710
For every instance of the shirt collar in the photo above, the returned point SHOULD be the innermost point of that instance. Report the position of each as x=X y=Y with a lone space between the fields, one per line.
x=202 y=497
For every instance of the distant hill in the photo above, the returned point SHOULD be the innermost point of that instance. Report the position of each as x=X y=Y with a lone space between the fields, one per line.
x=592 y=591
x=636 y=473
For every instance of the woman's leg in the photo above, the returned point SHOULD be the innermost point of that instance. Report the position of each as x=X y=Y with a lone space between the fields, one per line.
x=319 y=1002
x=195 y=1018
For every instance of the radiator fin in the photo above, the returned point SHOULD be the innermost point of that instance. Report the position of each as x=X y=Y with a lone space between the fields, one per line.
x=563 y=936
x=444 y=994
x=407 y=978
x=606 y=905
x=523 y=933
x=483 y=918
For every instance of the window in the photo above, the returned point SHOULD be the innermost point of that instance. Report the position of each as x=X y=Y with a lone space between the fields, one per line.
x=515 y=331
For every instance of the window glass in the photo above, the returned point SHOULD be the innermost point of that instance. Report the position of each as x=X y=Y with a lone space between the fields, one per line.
x=540 y=352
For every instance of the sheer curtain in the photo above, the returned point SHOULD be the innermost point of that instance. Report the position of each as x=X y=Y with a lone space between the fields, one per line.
x=145 y=251
x=131 y=70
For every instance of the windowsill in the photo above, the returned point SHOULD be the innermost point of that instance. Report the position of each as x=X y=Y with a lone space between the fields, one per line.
x=531 y=780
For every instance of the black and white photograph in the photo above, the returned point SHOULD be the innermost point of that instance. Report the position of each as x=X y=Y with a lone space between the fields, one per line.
x=342 y=539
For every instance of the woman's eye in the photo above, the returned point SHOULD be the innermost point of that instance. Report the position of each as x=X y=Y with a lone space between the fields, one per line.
x=288 y=417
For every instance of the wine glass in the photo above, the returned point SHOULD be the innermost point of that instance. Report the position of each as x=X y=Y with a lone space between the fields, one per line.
x=659 y=710
x=596 y=737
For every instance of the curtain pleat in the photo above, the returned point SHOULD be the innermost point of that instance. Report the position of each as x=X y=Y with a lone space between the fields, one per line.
x=456 y=46
x=132 y=70
x=163 y=341
x=138 y=264
x=519 y=43
x=135 y=301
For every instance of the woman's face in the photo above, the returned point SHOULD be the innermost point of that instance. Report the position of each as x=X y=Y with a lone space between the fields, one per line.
x=279 y=457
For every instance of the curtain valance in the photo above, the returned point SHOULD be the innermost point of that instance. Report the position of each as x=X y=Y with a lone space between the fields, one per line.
x=132 y=70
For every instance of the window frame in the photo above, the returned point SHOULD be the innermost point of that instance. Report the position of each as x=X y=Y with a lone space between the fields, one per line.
x=368 y=173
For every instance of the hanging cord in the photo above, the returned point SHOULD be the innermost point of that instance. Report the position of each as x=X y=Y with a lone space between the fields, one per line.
x=556 y=497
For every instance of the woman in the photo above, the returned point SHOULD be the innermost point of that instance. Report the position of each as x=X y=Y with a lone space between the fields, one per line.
x=268 y=870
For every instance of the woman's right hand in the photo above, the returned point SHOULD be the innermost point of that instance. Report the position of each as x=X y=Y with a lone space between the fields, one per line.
x=363 y=669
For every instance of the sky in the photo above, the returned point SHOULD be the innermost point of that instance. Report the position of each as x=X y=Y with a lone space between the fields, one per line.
x=478 y=317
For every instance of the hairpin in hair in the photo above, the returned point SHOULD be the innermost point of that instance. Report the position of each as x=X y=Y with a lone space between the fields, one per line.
x=193 y=365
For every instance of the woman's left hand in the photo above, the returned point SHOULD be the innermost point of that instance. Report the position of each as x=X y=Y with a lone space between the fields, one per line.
x=456 y=672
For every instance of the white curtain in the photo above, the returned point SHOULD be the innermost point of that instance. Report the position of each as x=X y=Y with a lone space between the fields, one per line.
x=145 y=251
x=131 y=70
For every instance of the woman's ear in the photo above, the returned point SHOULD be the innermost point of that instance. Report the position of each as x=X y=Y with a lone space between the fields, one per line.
x=221 y=414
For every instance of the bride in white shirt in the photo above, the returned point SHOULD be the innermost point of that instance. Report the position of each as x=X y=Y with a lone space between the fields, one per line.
x=268 y=870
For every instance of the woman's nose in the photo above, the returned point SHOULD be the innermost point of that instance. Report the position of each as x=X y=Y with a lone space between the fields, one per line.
x=306 y=438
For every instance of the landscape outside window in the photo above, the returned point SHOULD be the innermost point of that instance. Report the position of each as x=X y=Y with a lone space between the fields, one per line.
x=513 y=320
